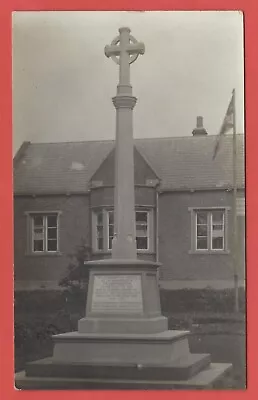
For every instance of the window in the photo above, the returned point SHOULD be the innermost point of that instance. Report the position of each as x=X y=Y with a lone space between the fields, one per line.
x=44 y=233
x=103 y=229
x=110 y=228
x=142 y=230
x=100 y=230
x=210 y=230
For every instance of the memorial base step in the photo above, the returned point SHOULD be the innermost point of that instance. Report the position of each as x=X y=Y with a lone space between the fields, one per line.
x=181 y=369
x=142 y=325
x=158 y=348
x=208 y=378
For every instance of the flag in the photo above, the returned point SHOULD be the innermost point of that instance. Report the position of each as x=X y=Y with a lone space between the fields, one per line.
x=228 y=123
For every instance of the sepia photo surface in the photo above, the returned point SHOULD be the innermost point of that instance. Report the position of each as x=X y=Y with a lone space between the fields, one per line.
x=129 y=200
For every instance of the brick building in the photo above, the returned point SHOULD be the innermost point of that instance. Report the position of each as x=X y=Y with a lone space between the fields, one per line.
x=63 y=195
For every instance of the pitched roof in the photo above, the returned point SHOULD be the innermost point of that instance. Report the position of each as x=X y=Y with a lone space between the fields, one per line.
x=59 y=167
x=187 y=162
x=180 y=162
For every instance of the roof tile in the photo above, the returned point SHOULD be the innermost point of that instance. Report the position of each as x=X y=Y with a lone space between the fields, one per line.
x=180 y=162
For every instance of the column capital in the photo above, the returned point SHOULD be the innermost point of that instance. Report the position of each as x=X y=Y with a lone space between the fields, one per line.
x=124 y=101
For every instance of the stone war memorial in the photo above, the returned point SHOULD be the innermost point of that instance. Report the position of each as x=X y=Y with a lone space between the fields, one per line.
x=123 y=342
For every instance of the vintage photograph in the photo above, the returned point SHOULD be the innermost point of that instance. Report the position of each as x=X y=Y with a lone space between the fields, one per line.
x=129 y=200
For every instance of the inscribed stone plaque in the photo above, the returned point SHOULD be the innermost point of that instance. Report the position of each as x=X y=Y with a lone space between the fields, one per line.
x=117 y=294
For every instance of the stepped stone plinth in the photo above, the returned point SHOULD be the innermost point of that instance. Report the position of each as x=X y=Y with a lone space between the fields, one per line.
x=123 y=342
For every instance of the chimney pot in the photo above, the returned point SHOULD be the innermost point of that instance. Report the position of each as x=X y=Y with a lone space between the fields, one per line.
x=199 y=122
x=199 y=130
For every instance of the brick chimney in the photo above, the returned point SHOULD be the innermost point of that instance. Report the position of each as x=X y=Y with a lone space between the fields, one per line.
x=199 y=130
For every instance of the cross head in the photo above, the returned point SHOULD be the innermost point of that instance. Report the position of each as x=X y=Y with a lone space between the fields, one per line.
x=124 y=50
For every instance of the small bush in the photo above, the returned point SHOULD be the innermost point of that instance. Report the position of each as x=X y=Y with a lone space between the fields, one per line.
x=77 y=275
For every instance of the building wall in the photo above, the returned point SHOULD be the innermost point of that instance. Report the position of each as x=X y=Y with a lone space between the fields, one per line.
x=104 y=196
x=180 y=266
x=34 y=271
x=179 y=263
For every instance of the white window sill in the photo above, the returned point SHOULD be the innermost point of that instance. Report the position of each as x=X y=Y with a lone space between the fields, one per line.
x=209 y=252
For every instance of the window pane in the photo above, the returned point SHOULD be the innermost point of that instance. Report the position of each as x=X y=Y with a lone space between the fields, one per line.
x=110 y=240
x=142 y=216
x=100 y=218
x=217 y=217
x=38 y=220
x=111 y=230
x=142 y=243
x=217 y=233
x=52 y=221
x=111 y=217
x=100 y=231
x=100 y=243
x=38 y=234
x=202 y=217
x=38 y=245
x=38 y=229
x=52 y=245
x=217 y=243
x=201 y=230
x=202 y=243
x=141 y=230
x=52 y=233
x=217 y=227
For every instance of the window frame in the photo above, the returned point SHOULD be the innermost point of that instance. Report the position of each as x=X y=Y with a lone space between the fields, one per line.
x=106 y=212
x=210 y=236
x=148 y=229
x=108 y=225
x=31 y=238
x=103 y=231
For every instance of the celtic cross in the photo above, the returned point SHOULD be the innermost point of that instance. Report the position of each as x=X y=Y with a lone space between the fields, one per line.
x=124 y=50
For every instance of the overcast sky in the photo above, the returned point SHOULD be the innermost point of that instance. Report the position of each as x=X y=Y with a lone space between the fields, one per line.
x=63 y=83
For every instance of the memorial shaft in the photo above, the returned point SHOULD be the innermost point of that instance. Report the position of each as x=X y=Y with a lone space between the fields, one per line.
x=124 y=50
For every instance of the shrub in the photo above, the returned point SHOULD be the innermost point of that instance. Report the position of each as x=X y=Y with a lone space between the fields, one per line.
x=76 y=278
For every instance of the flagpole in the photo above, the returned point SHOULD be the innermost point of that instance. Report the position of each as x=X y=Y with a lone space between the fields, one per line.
x=234 y=211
